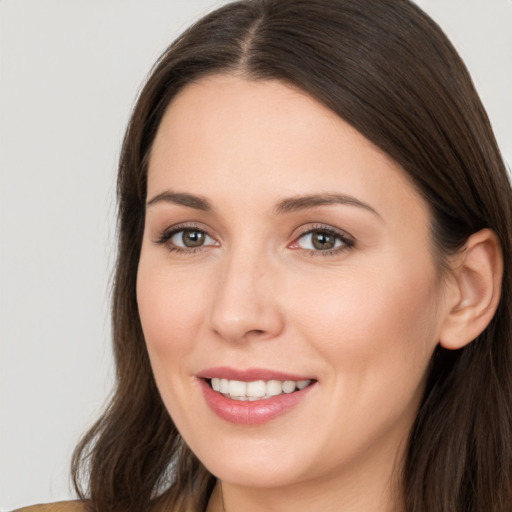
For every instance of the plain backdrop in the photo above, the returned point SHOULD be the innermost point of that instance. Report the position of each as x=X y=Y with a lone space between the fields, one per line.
x=69 y=73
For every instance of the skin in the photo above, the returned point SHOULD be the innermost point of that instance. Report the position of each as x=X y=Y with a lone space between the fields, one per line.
x=363 y=320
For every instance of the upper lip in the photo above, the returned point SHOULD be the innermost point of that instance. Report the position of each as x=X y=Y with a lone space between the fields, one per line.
x=249 y=374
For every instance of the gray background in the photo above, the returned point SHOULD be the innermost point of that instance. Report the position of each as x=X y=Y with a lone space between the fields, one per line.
x=69 y=73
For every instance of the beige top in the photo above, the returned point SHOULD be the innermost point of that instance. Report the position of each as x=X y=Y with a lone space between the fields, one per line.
x=61 y=506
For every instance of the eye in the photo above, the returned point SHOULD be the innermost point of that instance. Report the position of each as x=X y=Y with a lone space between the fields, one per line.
x=185 y=238
x=323 y=240
x=191 y=238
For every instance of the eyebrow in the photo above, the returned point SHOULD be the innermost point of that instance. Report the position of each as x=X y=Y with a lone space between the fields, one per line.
x=299 y=203
x=288 y=205
x=183 y=199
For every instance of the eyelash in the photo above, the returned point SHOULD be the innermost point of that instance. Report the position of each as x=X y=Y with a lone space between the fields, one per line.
x=347 y=242
x=166 y=236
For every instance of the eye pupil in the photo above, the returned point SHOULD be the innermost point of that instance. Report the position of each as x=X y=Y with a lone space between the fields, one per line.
x=323 y=241
x=193 y=238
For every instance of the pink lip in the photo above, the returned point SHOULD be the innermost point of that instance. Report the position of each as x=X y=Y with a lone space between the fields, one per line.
x=245 y=412
x=250 y=374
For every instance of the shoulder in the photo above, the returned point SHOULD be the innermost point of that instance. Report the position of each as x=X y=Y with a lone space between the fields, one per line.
x=61 y=506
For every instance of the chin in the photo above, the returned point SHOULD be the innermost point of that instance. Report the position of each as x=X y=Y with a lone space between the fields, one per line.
x=258 y=462
x=257 y=475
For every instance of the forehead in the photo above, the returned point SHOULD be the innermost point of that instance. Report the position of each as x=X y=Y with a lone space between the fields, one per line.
x=230 y=136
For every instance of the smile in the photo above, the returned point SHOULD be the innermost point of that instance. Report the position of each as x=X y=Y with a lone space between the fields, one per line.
x=257 y=389
x=253 y=396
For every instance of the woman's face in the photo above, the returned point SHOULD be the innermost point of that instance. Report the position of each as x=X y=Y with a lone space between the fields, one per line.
x=282 y=249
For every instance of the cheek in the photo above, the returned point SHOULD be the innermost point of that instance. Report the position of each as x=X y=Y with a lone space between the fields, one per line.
x=376 y=328
x=170 y=307
x=377 y=335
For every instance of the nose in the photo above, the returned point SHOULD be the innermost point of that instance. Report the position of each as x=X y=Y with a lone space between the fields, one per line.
x=245 y=304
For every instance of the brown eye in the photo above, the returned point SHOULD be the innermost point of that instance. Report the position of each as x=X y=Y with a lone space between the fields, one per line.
x=190 y=238
x=323 y=241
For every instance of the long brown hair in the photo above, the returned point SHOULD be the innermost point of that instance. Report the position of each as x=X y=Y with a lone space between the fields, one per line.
x=388 y=70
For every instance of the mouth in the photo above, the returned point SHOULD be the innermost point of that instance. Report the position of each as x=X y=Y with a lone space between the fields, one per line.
x=253 y=396
x=255 y=390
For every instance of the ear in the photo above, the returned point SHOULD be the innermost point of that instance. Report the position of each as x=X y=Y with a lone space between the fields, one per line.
x=475 y=290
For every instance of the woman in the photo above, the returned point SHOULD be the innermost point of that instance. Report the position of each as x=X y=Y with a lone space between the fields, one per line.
x=316 y=178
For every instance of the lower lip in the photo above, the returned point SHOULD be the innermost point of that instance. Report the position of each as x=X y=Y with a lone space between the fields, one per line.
x=251 y=413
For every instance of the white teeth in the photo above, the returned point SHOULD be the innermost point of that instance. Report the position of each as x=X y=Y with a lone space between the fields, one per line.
x=224 y=386
x=256 y=390
x=237 y=388
x=289 y=386
x=274 y=388
x=303 y=384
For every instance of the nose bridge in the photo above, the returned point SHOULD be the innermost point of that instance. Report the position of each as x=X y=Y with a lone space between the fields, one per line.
x=244 y=303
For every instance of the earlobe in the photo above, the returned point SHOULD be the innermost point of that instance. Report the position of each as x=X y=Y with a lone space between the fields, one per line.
x=476 y=290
